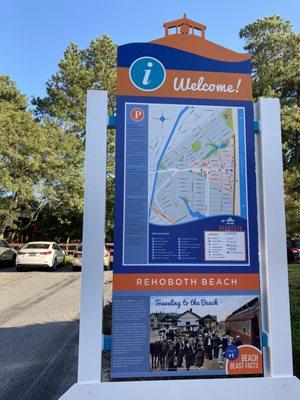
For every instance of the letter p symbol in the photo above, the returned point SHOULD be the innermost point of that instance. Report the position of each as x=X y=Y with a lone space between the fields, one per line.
x=137 y=114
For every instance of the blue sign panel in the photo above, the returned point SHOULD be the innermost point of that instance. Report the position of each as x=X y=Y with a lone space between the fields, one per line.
x=186 y=270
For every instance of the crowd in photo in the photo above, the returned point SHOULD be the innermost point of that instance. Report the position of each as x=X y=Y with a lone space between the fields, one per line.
x=185 y=350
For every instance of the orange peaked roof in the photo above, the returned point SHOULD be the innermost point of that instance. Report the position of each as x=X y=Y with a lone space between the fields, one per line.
x=188 y=38
x=184 y=20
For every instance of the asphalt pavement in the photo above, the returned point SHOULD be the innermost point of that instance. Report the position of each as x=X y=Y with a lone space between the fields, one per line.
x=39 y=319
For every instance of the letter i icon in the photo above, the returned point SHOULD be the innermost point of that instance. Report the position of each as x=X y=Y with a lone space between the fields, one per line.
x=146 y=80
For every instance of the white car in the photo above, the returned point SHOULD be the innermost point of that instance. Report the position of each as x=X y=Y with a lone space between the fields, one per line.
x=77 y=259
x=7 y=254
x=46 y=254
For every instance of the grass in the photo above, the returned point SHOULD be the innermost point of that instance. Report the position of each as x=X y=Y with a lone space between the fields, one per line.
x=294 y=283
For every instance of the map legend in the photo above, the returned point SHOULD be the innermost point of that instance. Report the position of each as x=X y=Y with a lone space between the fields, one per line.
x=161 y=249
x=188 y=249
x=227 y=245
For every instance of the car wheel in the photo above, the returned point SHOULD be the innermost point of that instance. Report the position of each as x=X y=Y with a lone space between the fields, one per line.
x=3 y=263
x=53 y=267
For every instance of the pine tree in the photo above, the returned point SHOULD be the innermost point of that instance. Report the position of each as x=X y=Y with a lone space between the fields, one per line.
x=275 y=51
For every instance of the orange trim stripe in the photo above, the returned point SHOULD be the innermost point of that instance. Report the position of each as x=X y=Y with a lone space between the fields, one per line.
x=241 y=85
x=198 y=45
x=185 y=282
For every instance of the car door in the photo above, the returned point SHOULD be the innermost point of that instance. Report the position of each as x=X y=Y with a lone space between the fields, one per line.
x=58 y=251
x=2 y=251
x=62 y=254
x=56 y=255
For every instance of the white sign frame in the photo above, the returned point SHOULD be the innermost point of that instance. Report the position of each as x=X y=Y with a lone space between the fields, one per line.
x=278 y=382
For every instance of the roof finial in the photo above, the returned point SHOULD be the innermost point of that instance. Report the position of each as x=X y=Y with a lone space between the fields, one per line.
x=185 y=26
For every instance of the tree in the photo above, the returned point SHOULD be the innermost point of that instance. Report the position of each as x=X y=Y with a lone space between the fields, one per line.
x=78 y=71
x=10 y=94
x=38 y=164
x=292 y=202
x=50 y=225
x=275 y=51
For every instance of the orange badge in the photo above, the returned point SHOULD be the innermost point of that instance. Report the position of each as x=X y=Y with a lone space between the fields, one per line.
x=249 y=361
x=137 y=114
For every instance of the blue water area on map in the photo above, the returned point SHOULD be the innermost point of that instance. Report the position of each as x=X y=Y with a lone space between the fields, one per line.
x=223 y=146
x=164 y=150
x=194 y=214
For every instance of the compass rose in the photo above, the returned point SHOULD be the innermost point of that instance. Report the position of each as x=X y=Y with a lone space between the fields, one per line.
x=162 y=118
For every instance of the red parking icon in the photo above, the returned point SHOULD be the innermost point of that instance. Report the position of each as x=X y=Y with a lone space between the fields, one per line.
x=137 y=114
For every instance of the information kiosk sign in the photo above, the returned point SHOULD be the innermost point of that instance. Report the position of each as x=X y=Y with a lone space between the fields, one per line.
x=186 y=286
x=191 y=219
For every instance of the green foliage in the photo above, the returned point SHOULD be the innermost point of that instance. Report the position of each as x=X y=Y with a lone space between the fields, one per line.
x=66 y=229
x=292 y=201
x=290 y=119
x=294 y=283
x=274 y=48
x=21 y=155
x=38 y=161
x=79 y=71
x=275 y=51
x=107 y=315
x=110 y=206
x=42 y=160
x=9 y=93
x=68 y=259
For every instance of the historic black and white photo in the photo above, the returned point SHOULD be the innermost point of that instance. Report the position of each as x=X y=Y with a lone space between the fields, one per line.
x=193 y=333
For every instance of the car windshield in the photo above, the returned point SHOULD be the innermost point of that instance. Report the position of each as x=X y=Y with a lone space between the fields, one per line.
x=37 y=246
x=296 y=243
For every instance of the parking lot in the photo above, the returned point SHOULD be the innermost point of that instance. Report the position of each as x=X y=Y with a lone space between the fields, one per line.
x=39 y=318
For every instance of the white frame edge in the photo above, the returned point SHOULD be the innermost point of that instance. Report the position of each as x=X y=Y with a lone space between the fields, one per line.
x=92 y=278
x=272 y=240
x=278 y=383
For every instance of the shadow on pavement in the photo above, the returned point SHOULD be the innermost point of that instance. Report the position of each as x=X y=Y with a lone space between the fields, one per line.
x=59 y=268
x=38 y=361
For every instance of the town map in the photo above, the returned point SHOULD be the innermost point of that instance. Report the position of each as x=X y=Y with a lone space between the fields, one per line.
x=193 y=163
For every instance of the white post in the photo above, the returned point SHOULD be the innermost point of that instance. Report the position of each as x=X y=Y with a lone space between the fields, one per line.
x=89 y=367
x=280 y=384
x=272 y=239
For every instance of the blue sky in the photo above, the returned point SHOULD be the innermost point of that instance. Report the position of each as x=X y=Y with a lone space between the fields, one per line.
x=35 y=33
